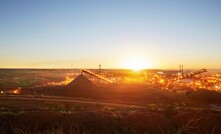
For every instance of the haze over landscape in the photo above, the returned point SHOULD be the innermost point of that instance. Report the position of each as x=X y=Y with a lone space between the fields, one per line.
x=115 y=33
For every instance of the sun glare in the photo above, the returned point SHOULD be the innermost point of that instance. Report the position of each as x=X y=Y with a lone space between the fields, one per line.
x=136 y=64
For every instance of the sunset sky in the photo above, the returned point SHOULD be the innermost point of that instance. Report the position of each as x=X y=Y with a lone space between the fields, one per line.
x=86 y=33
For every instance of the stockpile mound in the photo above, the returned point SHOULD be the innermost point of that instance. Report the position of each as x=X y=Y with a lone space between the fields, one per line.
x=81 y=87
x=80 y=82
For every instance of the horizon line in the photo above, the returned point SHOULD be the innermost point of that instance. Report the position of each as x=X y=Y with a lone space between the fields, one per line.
x=109 y=68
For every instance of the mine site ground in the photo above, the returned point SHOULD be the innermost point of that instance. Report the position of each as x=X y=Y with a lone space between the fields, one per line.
x=126 y=108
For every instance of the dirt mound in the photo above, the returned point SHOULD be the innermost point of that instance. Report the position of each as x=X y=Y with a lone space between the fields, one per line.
x=81 y=87
x=81 y=82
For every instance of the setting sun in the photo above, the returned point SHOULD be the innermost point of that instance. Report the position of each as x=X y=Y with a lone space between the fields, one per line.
x=136 y=64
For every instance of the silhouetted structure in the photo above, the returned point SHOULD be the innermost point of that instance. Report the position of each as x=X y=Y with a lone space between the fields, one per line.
x=100 y=69
x=181 y=69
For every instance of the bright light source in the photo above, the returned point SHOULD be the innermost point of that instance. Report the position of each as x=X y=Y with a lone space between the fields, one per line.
x=136 y=63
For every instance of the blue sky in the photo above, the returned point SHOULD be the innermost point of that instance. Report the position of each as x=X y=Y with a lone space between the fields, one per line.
x=85 y=33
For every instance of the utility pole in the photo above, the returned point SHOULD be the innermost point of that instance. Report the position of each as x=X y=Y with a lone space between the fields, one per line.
x=99 y=68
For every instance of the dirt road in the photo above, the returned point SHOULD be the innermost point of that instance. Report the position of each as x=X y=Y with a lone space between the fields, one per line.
x=66 y=99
